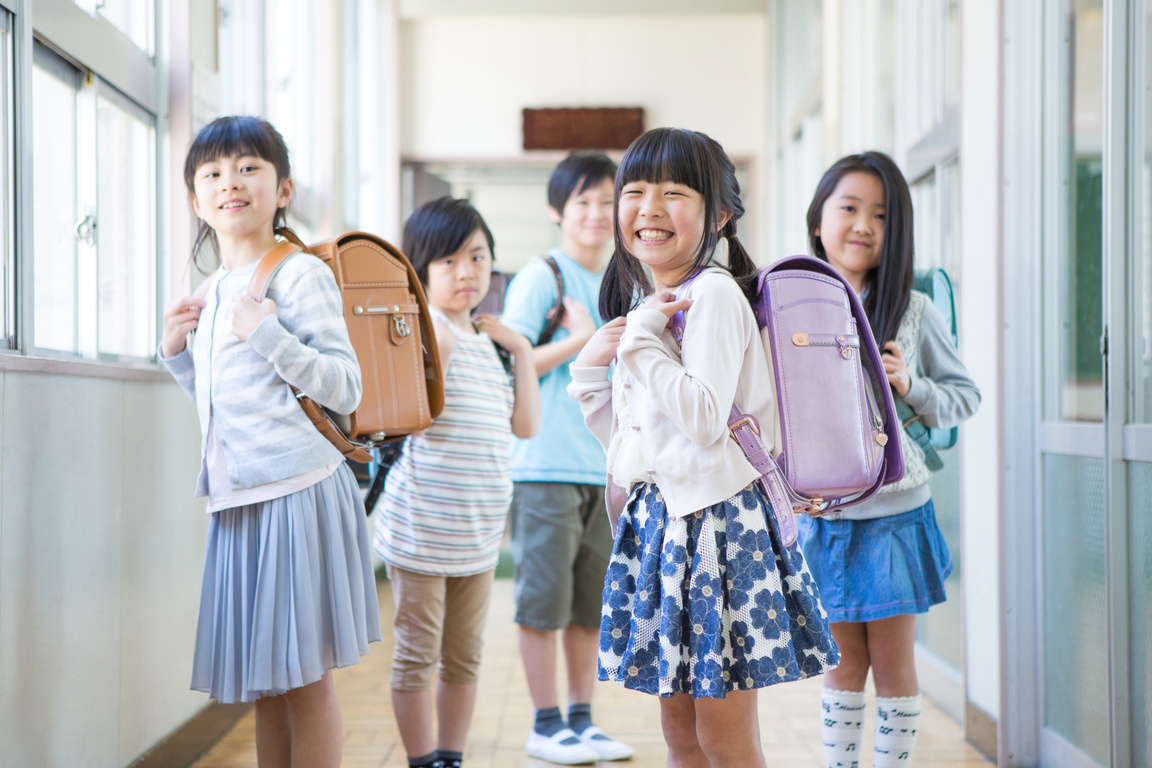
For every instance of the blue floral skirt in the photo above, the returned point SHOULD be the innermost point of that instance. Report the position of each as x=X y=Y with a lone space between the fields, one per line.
x=709 y=603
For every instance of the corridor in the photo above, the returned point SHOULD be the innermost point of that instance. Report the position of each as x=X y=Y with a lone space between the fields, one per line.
x=789 y=725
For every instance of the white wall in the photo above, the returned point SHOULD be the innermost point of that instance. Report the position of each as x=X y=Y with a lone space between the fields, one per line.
x=100 y=561
x=981 y=344
x=465 y=80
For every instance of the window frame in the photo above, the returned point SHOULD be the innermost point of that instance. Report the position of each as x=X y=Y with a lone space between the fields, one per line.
x=8 y=272
x=91 y=88
x=124 y=74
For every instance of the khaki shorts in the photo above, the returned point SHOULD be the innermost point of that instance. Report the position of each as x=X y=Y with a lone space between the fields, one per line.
x=437 y=619
x=561 y=542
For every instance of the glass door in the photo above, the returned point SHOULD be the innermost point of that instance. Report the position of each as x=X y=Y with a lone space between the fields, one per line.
x=1135 y=439
x=1094 y=469
x=1072 y=510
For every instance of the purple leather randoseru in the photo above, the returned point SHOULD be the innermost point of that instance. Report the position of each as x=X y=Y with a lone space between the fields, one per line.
x=839 y=444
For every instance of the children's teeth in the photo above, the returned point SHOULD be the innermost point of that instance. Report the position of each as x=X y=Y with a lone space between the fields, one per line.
x=653 y=234
x=234 y=205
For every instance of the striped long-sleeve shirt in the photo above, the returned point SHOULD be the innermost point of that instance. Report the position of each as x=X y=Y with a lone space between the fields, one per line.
x=242 y=388
x=447 y=496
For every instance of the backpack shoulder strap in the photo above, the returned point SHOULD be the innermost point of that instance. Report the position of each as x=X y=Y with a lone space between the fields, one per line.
x=269 y=265
x=557 y=308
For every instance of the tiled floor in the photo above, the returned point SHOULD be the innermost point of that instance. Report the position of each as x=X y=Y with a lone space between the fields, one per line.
x=789 y=723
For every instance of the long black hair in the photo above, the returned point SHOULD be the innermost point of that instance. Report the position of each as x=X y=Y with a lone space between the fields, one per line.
x=697 y=161
x=229 y=137
x=439 y=228
x=889 y=282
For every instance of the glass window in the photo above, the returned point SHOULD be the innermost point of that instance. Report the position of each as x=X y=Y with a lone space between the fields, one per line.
x=951 y=52
x=292 y=82
x=57 y=239
x=7 y=184
x=94 y=210
x=1075 y=291
x=125 y=239
x=1143 y=299
x=135 y=18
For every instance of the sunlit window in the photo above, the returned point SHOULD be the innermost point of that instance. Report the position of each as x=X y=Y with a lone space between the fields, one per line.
x=292 y=81
x=125 y=240
x=135 y=18
x=95 y=211
x=61 y=236
x=7 y=184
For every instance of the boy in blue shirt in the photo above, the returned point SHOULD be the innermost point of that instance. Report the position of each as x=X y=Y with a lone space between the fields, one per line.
x=561 y=539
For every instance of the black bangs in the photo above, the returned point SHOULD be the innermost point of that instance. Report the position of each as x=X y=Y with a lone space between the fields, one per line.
x=694 y=160
x=229 y=137
x=665 y=155
x=237 y=135
x=438 y=229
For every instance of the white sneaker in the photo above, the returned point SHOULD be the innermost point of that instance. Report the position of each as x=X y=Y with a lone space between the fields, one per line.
x=563 y=747
x=606 y=746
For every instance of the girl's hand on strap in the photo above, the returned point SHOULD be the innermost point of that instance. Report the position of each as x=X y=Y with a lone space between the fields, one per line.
x=180 y=318
x=896 y=368
x=503 y=335
x=666 y=302
x=601 y=348
x=247 y=313
x=576 y=319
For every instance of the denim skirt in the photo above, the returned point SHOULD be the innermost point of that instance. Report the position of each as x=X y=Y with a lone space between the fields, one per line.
x=877 y=568
x=708 y=603
x=288 y=592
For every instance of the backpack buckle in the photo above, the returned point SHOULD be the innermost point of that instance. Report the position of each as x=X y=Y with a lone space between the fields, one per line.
x=751 y=422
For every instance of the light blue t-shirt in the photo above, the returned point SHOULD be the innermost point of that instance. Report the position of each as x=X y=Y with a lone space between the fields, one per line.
x=563 y=451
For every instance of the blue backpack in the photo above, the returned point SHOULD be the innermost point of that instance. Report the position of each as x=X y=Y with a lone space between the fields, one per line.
x=935 y=283
x=938 y=286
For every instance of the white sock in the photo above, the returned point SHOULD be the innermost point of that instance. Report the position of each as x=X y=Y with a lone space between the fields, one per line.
x=897 y=721
x=842 y=727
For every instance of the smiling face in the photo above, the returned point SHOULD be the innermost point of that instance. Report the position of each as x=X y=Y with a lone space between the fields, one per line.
x=586 y=221
x=238 y=196
x=662 y=225
x=852 y=226
x=458 y=282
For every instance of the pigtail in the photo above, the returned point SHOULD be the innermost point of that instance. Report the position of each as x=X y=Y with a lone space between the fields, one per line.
x=624 y=283
x=695 y=160
x=744 y=270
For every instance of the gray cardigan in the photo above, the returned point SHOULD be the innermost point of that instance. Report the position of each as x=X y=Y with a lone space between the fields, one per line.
x=243 y=387
x=941 y=392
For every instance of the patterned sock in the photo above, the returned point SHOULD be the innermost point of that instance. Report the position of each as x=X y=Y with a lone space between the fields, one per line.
x=579 y=717
x=897 y=721
x=548 y=721
x=450 y=759
x=425 y=761
x=842 y=728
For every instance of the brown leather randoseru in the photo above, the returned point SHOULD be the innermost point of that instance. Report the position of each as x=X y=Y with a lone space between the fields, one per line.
x=391 y=332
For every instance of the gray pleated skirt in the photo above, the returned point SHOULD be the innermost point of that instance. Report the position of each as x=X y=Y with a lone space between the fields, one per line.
x=288 y=592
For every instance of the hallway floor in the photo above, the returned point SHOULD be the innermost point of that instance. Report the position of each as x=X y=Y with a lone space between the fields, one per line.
x=789 y=723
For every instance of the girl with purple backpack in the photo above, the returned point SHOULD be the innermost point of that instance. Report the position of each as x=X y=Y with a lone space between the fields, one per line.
x=883 y=561
x=703 y=603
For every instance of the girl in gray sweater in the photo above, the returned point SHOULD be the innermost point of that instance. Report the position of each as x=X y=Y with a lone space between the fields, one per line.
x=880 y=563
x=288 y=591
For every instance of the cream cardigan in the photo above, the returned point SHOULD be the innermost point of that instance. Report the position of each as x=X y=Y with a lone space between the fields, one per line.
x=678 y=401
